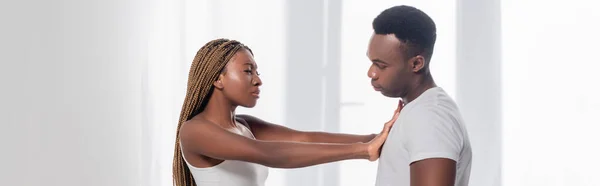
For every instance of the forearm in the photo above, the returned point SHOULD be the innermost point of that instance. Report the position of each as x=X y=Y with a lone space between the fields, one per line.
x=324 y=137
x=297 y=154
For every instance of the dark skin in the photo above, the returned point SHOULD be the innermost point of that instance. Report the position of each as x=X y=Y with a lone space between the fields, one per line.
x=208 y=140
x=397 y=75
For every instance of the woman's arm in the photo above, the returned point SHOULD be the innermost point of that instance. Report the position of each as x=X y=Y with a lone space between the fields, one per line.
x=264 y=130
x=213 y=141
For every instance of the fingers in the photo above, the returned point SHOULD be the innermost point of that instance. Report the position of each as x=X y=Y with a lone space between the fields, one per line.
x=387 y=130
x=393 y=120
x=382 y=137
x=398 y=109
x=396 y=115
x=396 y=112
x=390 y=123
x=400 y=105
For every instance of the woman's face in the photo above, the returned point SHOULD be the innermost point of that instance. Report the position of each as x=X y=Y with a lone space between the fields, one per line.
x=239 y=81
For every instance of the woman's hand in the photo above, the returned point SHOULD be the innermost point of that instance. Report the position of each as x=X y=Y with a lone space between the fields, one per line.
x=375 y=145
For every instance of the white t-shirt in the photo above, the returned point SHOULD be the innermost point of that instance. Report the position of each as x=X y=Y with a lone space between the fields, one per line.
x=428 y=127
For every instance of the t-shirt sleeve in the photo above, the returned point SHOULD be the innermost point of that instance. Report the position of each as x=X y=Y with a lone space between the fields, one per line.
x=431 y=133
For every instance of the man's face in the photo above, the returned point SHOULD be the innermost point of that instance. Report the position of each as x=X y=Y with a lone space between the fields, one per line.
x=390 y=72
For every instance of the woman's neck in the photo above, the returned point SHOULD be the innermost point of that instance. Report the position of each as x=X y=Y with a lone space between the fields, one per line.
x=219 y=110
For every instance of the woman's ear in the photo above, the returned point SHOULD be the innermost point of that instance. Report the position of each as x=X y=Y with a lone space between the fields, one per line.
x=219 y=83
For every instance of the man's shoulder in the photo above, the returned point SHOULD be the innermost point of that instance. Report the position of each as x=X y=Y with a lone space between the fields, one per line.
x=435 y=102
x=430 y=116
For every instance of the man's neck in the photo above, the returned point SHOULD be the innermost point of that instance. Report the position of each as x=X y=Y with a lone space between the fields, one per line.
x=220 y=111
x=421 y=85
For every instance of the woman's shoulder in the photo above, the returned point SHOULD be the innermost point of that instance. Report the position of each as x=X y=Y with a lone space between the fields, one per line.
x=245 y=119
x=195 y=125
x=196 y=121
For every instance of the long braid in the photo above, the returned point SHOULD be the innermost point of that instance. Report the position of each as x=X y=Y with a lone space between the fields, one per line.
x=208 y=63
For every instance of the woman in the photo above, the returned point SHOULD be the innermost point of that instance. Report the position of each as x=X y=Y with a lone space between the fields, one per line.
x=216 y=147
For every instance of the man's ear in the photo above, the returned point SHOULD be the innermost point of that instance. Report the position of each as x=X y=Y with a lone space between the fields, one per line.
x=219 y=83
x=417 y=63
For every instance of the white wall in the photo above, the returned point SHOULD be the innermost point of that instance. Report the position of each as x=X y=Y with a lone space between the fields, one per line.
x=552 y=102
x=479 y=90
x=70 y=82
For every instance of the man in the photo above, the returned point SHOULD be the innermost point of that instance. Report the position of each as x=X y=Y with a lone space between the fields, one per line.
x=428 y=145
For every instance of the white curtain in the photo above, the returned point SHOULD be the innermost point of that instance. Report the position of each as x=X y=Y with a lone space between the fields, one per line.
x=163 y=88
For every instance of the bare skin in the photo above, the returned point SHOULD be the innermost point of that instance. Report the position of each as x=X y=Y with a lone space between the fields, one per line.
x=433 y=172
x=208 y=140
x=396 y=75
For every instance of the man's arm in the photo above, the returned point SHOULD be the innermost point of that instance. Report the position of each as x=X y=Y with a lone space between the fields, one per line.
x=264 y=130
x=433 y=172
x=434 y=144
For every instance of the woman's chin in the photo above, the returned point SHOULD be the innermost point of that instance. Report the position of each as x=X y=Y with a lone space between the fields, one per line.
x=249 y=105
